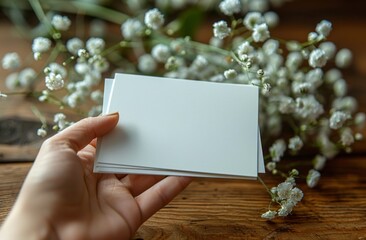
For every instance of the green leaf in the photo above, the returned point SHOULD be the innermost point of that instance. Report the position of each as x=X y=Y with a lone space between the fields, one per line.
x=190 y=21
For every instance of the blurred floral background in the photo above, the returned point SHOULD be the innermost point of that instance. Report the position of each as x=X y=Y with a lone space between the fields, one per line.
x=305 y=105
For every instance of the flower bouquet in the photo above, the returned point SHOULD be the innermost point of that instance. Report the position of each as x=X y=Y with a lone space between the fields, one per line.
x=303 y=96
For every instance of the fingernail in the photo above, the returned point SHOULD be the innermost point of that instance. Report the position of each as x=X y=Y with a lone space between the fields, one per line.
x=111 y=114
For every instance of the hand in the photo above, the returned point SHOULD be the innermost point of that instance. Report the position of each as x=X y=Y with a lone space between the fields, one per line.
x=63 y=199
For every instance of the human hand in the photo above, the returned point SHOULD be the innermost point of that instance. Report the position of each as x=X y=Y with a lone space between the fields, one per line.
x=63 y=199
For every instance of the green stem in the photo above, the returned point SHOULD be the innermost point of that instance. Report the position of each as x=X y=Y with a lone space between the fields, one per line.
x=265 y=186
x=205 y=47
x=89 y=8
x=37 y=8
x=38 y=114
x=18 y=93
x=121 y=44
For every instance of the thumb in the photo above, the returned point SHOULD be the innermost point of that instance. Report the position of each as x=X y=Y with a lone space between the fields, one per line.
x=83 y=132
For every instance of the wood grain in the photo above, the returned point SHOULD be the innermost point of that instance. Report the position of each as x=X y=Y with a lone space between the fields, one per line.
x=230 y=209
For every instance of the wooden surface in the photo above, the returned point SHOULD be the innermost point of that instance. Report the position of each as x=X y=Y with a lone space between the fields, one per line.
x=230 y=209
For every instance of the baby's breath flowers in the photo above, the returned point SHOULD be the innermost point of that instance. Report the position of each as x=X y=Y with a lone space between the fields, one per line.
x=154 y=19
x=304 y=103
x=221 y=29
x=61 y=23
x=11 y=61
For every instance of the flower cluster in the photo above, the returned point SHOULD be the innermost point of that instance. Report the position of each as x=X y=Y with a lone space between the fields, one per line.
x=286 y=195
x=304 y=101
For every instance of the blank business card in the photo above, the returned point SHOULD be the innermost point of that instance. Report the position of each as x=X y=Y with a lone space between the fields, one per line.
x=181 y=127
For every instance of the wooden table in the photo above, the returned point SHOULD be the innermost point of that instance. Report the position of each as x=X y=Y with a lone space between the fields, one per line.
x=231 y=209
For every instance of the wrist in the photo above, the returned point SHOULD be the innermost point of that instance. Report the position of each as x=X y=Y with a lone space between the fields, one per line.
x=22 y=224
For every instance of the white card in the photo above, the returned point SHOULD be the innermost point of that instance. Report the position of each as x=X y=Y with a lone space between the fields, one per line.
x=181 y=127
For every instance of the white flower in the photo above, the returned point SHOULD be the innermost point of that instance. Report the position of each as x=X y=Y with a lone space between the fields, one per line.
x=340 y=88
x=271 y=18
x=221 y=30
x=294 y=60
x=286 y=208
x=73 y=45
x=83 y=87
x=287 y=105
x=100 y=64
x=269 y=214
x=82 y=68
x=291 y=180
x=27 y=77
x=296 y=195
x=230 y=74
x=244 y=49
x=360 y=119
x=347 y=104
x=57 y=69
x=314 y=77
x=300 y=87
x=312 y=36
x=332 y=75
x=97 y=96
x=229 y=7
x=12 y=81
x=41 y=44
x=60 y=119
x=132 y=28
x=61 y=23
x=54 y=81
x=343 y=58
x=337 y=119
x=329 y=49
x=160 y=52
x=347 y=138
x=146 y=63
x=217 y=78
x=295 y=143
x=92 y=78
x=319 y=162
x=277 y=150
x=266 y=88
x=312 y=178
x=324 y=28
x=154 y=19
x=284 y=190
x=95 y=111
x=41 y=132
x=271 y=166
x=199 y=63
x=95 y=45
x=317 y=58
x=260 y=32
x=74 y=99
x=11 y=61
x=327 y=147
x=252 y=19
x=358 y=136
x=308 y=108
x=271 y=46
x=82 y=54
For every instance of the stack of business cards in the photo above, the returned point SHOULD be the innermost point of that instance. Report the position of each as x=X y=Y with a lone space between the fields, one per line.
x=181 y=127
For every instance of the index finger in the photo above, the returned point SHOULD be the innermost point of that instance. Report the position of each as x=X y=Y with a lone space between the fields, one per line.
x=83 y=132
